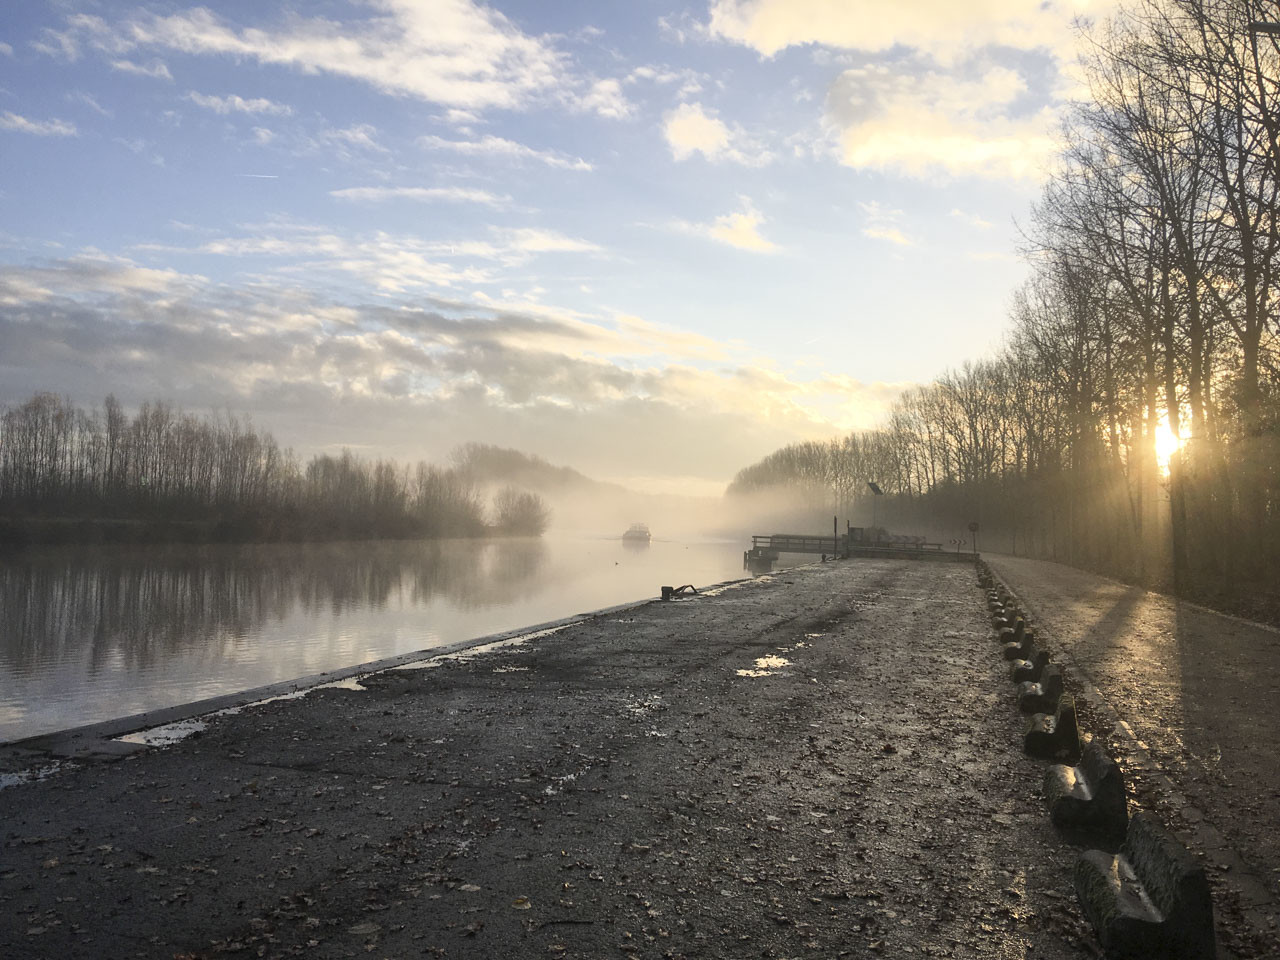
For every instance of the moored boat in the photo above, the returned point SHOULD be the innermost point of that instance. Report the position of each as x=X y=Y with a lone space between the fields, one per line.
x=637 y=533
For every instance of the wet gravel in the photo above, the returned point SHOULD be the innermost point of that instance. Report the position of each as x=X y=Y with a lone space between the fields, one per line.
x=821 y=763
x=1186 y=699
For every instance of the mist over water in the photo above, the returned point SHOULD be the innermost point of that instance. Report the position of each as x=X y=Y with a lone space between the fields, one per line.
x=93 y=634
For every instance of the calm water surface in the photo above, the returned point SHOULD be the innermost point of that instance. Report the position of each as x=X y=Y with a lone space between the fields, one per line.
x=92 y=634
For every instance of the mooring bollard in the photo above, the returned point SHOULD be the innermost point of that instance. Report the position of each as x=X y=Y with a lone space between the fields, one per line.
x=1087 y=802
x=1054 y=736
x=1041 y=696
x=1150 y=901
x=1020 y=649
x=1030 y=667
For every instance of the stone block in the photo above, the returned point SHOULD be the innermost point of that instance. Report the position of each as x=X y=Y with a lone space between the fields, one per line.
x=1041 y=696
x=1150 y=901
x=1019 y=649
x=1087 y=802
x=1054 y=736
x=1030 y=666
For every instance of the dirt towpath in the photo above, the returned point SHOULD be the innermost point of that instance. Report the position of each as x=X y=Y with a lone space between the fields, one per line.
x=820 y=763
x=1189 y=701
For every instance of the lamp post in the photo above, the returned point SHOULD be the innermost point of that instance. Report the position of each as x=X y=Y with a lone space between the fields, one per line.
x=876 y=494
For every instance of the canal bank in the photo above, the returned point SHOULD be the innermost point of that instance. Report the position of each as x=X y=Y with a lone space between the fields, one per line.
x=823 y=762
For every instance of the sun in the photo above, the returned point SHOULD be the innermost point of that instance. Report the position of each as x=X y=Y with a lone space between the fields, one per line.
x=1167 y=444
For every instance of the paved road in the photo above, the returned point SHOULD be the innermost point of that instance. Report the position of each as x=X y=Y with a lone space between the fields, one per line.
x=821 y=763
x=1199 y=696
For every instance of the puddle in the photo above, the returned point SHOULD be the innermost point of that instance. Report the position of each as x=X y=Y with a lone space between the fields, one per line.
x=429 y=661
x=765 y=666
x=164 y=735
x=171 y=733
x=32 y=774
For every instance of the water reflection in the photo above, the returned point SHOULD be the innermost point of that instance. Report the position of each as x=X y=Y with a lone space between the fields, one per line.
x=92 y=634
x=138 y=607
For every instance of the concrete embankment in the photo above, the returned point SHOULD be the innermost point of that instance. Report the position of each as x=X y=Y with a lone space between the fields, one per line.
x=825 y=762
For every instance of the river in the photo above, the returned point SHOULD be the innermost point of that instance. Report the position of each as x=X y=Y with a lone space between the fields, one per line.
x=89 y=634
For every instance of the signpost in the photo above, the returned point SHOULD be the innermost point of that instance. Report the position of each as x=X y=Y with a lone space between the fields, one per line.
x=973 y=528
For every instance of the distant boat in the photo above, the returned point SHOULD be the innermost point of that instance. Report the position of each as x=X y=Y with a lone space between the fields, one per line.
x=637 y=533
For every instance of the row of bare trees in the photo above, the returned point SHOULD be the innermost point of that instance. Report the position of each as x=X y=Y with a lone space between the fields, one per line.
x=1132 y=421
x=223 y=479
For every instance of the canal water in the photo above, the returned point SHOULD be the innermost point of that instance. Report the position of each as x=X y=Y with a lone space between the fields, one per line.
x=94 y=634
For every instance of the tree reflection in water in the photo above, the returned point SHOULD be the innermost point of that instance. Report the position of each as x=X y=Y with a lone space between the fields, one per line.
x=131 y=608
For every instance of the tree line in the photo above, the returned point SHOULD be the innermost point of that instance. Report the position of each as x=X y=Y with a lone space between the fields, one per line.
x=1131 y=423
x=71 y=473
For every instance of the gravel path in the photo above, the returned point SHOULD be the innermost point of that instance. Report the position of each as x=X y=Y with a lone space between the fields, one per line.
x=1188 y=699
x=821 y=763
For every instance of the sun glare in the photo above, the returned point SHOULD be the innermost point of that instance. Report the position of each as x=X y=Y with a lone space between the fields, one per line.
x=1167 y=444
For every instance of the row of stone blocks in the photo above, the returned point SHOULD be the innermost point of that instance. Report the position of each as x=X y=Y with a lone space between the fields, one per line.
x=1144 y=894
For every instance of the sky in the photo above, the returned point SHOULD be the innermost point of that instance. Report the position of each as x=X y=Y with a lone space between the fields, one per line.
x=651 y=240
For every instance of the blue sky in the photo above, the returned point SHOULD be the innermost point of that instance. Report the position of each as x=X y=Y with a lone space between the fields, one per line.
x=651 y=240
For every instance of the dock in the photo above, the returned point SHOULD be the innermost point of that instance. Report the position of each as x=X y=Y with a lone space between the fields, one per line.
x=766 y=549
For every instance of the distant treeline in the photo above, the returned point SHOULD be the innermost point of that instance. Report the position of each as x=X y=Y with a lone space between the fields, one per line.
x=70 y=474
x=1132 y=422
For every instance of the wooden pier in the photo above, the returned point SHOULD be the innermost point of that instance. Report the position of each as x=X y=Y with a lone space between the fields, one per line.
x=767 y=548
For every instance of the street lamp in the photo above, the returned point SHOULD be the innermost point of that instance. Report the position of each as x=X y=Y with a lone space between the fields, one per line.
x=877 y=493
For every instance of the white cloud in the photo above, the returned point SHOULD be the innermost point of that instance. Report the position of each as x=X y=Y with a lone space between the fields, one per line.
x=238 y=104
x=690 y=129
x=739 y=229
x=501 y=147
x=426 y=194
x=605 y=97
x=937 y=124
x=154 y=69
x=973 y=219
x=263 y=135
x=534 y=240
x=361 y=136
x=942 y=28
x=6 y=49
x=452 y=52
x=385 y=263
x=79 y=96
x=39 y=128
x=882 y=223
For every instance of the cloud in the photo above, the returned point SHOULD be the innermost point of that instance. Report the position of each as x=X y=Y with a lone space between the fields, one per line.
x=154 y=69
x=690 y=129
x=930 y=124
x=425 y=194
x=79 y=96
x=6 y=49
x=605 y=98
x=881 y=223
x=39 y=128
x=453 y=52
x=740 y=229
x=237 y=104
x=973 y=219
x=408 y=381
x=383 y=263
x=500 y=147
x=940 y=28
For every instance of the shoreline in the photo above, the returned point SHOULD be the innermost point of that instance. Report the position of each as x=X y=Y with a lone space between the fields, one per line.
x=89 y=740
